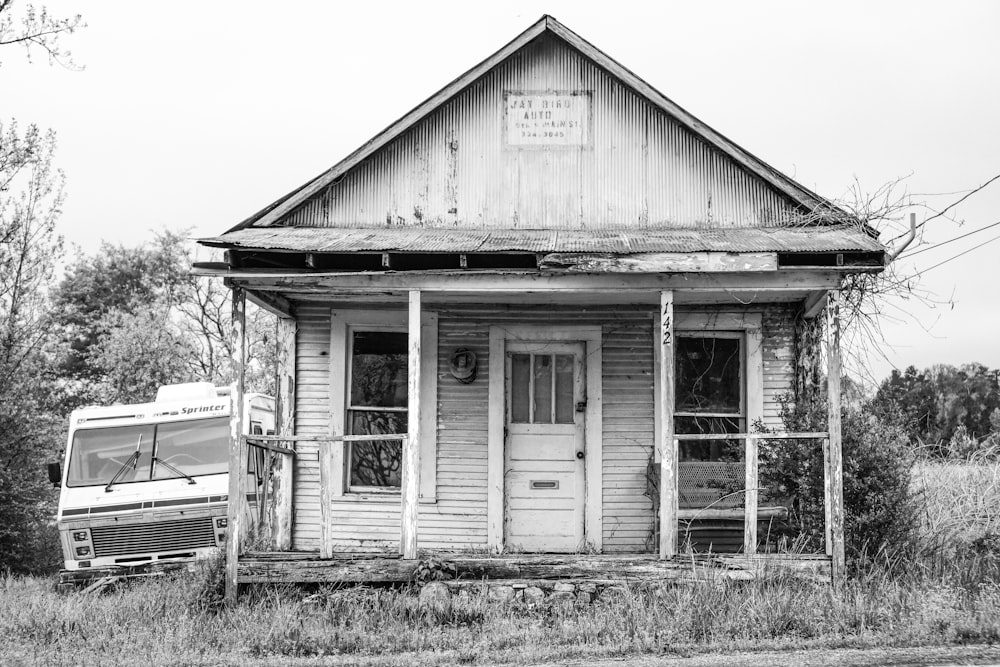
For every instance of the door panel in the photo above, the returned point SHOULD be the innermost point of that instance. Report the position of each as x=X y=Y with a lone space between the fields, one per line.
x=544 y=470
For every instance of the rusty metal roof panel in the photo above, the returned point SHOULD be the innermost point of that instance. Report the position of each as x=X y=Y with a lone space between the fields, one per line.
x=407 y=239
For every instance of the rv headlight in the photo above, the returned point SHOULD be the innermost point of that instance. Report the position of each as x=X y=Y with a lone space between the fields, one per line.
x=83 y=551
x=80 y=536
x=221 y=522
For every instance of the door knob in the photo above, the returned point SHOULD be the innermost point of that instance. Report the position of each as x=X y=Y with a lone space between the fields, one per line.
x=579 y=455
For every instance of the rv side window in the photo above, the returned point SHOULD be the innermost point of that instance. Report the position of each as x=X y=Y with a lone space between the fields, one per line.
x=377 y=404
x=255 y=455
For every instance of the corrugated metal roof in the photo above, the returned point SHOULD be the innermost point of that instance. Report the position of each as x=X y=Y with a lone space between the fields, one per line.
x=841 y=238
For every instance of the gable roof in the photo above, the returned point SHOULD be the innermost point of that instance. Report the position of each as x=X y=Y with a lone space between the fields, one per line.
x=802 y=196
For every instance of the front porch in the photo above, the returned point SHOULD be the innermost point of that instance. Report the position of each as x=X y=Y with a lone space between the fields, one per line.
x=460 y=569
x=315 y=521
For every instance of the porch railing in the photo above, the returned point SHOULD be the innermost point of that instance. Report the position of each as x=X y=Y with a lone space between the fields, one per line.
x=751 y=490
x=275 y=508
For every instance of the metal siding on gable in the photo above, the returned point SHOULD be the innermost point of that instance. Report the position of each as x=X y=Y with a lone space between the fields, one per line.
x=641 y=168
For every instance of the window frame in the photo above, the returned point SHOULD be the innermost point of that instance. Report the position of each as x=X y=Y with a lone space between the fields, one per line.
x=750 y=324
x=741 y=416
x=349 y=407
x=337 y=463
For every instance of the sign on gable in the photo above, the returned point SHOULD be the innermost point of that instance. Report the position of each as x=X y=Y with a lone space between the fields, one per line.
x=546 y=119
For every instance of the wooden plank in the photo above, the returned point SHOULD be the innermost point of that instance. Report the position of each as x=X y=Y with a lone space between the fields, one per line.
x=594 y=436
x=784 y=435
x=655 y=262
x=282 y=493
x=750 y=498
x=429 y=416
x=814 y=305
x=326 y=476
x=237 y=446
x=735 y=514
x=514 y=282
x=667 y=444
x=496 y=418
x=836 y=449
x=827 y=523
x=272 y=303
x=277 y=449
x=377 y=568
x=411 y=444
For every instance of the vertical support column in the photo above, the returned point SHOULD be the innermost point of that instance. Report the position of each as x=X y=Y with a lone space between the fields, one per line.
x=750 y=498
x=325 y=457
x=836 y=466
x=411 y=445
x=237 y=446
x=668 y=448
x=281 y=480
x=827 y=522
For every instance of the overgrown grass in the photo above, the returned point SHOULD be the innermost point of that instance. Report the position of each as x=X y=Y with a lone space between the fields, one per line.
x=167 y=621
x=948 y=594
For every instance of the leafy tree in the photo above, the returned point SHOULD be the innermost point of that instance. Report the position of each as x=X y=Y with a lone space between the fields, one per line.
x=880 y=509
x=943 y=407
x=133 y=318
x=115 y=279
x=31 y=196
x=137 y=353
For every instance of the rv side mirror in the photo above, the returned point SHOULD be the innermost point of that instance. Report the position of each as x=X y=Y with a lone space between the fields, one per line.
x=55 y=473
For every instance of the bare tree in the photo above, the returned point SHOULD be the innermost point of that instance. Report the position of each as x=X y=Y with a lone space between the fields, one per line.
x=37 y=29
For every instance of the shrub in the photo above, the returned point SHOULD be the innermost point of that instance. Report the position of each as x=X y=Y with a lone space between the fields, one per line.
x=880 y=508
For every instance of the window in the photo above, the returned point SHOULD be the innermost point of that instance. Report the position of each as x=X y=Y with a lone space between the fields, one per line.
x=377 y=404
x=709 y=399
x=541 y=388
x=199 y=447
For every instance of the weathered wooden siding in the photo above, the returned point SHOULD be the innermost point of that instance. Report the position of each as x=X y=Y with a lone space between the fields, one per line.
x=458 y=518
x=779 y=361
x=640 y=169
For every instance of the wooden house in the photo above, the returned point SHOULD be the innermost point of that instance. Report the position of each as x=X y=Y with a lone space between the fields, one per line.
x=545 y=312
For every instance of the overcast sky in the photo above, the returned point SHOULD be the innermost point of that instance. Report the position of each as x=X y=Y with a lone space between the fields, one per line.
x=196 y=114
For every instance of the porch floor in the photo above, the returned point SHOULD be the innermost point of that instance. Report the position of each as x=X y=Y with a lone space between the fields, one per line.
x=308 y=567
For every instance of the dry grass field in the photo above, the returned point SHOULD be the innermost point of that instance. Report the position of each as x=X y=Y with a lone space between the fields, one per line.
x=949 y=595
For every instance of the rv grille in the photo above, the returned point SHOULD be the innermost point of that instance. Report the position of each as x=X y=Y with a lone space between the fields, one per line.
x=147 y=538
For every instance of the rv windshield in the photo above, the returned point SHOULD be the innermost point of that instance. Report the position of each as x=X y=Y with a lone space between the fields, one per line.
x=198 y=447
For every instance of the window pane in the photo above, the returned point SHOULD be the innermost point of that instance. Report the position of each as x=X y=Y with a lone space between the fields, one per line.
x=196 y=447
x=378 y=369
x=99 y=453
x=564 y=389
x=708 y=374
x=376 y=463
x=543 y=389
x=520 y=365
x=708 y=450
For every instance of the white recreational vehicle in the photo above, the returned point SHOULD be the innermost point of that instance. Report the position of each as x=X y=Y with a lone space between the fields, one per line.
x=147 y=484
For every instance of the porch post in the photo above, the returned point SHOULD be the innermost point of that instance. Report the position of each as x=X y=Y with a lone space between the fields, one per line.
x=668 y=448
x=750 y=497
x=411 y=445
x=281 y=497
x=836 y=467
x=237 y=447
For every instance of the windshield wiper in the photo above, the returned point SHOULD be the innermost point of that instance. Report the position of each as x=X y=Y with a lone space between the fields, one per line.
x=132 y=460
x=169 y=467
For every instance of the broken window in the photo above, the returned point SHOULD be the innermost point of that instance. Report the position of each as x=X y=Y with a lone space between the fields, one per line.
x=709 y=399
x=377 y=405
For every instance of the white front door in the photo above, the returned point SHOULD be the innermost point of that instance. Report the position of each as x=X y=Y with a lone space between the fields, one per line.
x=544 y=446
